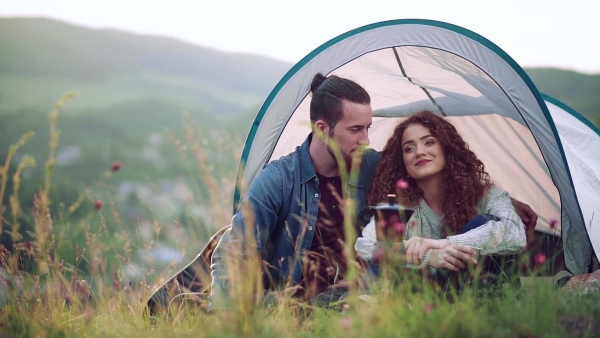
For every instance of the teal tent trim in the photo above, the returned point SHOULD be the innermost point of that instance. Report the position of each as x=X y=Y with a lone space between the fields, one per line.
x=312 y=55
x=571 y=111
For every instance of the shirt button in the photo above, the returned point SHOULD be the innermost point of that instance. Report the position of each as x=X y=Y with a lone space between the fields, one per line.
x=310 y=227
x=316 y=195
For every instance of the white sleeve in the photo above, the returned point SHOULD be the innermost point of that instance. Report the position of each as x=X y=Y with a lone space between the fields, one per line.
x=364 y=245
x=503 y=237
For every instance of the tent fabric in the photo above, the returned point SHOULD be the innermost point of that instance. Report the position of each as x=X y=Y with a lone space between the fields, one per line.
x=581 y=141
x=412 y=65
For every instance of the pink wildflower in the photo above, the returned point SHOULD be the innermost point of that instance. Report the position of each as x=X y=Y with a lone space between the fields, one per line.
x=345 y=323
x=402 y=184
x=540 y=258
x=428 y=307
x=115 y=166
x=88 y=315
x=412 y=224
x=553 y=223
x=399 y=227
x=378 y=256
x=384 y=224
x=98 y=204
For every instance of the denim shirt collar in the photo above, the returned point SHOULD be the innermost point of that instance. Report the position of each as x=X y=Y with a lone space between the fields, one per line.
x=307 y=167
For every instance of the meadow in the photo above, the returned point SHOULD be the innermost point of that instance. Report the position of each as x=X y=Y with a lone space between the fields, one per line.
x=86 y=265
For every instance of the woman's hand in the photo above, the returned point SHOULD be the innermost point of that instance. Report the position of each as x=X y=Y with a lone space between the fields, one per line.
x=453 y=257
x=416 y=247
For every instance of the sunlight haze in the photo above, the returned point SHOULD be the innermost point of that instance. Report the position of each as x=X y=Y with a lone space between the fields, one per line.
x=552 y=33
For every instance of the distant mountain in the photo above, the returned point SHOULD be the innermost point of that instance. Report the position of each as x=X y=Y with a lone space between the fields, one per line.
x=40 y=59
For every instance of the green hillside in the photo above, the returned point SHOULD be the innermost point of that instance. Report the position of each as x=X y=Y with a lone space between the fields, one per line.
x=578 y=91
x=129 y=87
x=40 y=59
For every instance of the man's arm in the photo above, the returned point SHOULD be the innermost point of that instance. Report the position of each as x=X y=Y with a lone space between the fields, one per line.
x=528 y=216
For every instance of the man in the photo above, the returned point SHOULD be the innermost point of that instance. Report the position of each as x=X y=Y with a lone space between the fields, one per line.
x=292 y=216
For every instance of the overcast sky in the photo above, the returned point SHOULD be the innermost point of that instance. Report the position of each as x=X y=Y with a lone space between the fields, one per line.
x=536 y=33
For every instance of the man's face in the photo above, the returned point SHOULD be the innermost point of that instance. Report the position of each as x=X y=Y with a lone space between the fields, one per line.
x=351 y=134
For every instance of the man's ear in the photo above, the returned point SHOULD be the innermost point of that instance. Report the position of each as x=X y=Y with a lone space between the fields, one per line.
x=321 y=128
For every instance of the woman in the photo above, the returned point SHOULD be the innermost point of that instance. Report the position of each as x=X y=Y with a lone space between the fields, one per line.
x=457 y=208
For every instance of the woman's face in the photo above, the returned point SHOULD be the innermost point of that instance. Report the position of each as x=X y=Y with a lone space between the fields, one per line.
x=422 y=153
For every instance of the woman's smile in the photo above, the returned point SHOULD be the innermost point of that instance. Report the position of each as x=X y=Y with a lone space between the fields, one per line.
x=422 y=153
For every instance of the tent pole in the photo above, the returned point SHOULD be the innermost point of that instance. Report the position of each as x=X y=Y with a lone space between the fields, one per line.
x=441 y=110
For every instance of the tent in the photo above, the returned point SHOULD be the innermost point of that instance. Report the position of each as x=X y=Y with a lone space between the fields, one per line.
x=580 y=140
x=536 y=148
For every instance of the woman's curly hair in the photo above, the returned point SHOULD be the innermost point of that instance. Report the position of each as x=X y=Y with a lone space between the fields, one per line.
x=464 y=182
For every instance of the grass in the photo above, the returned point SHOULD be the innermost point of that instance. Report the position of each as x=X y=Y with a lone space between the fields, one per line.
x=541 y=312
x=86 y=299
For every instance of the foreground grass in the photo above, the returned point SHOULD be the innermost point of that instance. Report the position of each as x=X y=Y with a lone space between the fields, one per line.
x=54 y=299
x=541 y=311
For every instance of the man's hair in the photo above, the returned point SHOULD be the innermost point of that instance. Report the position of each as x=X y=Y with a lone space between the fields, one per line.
x=327 y=96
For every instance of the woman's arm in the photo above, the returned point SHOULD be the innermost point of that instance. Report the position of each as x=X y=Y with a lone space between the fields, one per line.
x=453 y=257
x=503 y=237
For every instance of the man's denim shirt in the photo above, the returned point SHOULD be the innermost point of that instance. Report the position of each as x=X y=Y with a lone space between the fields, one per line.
x=285 y=199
